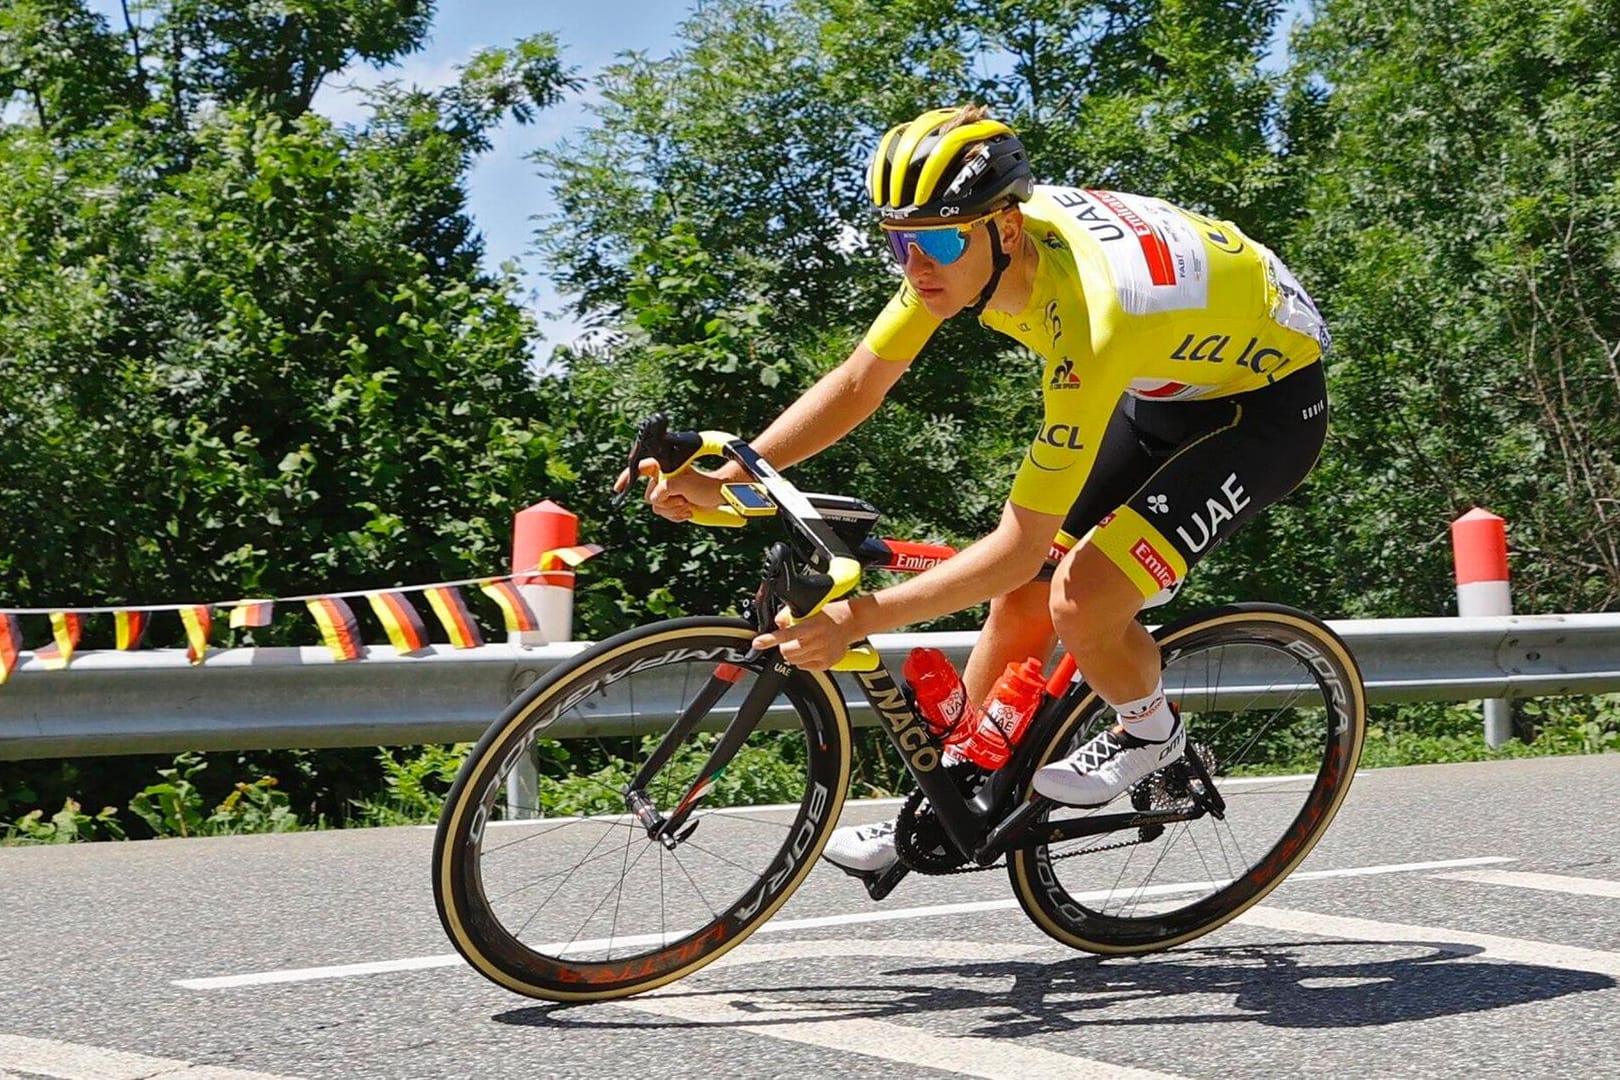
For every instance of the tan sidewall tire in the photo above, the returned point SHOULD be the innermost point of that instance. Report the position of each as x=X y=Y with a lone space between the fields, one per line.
x=449 y=860
x=1021 y=865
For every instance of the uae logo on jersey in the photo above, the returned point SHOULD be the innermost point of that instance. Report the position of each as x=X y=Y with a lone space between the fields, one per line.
x=1063 y=376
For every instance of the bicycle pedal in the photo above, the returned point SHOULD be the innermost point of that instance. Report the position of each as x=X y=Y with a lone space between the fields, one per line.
x=882 y=882
x=878 y=883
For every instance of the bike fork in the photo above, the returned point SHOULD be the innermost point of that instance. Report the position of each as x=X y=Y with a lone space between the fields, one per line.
x=668 y=830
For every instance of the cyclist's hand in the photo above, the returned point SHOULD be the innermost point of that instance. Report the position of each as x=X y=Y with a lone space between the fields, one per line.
x=818 y=642
x=674 y=497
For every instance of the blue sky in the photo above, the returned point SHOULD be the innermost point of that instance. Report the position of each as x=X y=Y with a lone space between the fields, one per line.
x=504 y=193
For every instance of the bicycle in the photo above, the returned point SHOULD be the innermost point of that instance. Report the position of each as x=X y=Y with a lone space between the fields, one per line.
x=1272 y=699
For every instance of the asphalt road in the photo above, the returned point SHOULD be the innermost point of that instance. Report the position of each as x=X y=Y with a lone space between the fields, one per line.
x=1476 y=932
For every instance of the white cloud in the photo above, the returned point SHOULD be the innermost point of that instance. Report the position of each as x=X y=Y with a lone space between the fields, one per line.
x=341 y=97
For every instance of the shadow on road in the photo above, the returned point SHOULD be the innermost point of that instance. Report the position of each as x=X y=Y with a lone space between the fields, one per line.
x=1286 y=985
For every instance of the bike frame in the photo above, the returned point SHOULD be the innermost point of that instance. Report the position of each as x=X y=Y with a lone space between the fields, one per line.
x=997 y=818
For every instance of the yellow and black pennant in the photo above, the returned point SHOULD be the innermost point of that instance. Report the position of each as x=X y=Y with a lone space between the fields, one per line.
x=338 y=628
x=199 y=620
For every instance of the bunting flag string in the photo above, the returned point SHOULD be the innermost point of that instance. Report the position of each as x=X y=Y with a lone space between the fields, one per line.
x=547 y=559
x=400 y=620
x=129 y=628
x=10 y=644
x=338 y=628
x=334 y=617
x=65 y=629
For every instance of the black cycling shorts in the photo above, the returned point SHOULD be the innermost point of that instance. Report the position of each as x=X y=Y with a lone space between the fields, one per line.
x=1173 y=479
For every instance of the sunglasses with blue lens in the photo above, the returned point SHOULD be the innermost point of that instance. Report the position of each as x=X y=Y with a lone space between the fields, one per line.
x=943 y=244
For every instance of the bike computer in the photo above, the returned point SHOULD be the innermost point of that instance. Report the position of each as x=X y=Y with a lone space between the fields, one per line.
x=749 y=500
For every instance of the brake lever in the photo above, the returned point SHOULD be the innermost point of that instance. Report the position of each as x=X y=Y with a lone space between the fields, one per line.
x=648 y=442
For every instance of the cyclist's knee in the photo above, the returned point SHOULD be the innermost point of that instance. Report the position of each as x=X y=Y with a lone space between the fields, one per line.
x=1023 y=605
x=1092 y=601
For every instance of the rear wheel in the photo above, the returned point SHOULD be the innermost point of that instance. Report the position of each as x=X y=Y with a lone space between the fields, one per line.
x=583 y=903
x=1275 y=711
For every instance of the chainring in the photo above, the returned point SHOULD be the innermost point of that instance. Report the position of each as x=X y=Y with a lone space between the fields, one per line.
x=920 y=840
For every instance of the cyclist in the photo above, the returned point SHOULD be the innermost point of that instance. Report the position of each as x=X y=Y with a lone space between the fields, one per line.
x=1182 y=394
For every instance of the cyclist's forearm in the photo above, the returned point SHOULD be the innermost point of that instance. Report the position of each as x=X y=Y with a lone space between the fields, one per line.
x=1009 y=557
x=832 y=408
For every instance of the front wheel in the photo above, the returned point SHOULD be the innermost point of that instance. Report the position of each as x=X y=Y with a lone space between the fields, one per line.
x=586 y=902
x=1275 y=711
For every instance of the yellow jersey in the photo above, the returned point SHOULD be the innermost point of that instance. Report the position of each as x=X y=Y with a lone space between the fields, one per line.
x=1132 y=296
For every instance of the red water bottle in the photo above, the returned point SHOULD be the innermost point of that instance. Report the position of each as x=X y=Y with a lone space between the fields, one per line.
x=941 y=698
x=1005 y=716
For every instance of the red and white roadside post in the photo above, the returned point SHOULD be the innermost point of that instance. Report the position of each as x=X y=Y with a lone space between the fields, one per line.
x=540 y=528
x=537 y=529
x=1479 y=548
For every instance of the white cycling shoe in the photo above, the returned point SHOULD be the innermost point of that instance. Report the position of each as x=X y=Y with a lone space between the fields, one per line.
x=1107 y=766
x=862 y=849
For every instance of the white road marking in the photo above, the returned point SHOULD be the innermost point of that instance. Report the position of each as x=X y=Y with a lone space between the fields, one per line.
x=1230 y=782
x=1396 y=868
x=998 y=1059
x=1577 y=886
x=1471 y=945
x=333 y=971
x=778 y=926
x=72 y=1061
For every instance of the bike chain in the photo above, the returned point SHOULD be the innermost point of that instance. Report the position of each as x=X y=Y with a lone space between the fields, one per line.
x=913 y=816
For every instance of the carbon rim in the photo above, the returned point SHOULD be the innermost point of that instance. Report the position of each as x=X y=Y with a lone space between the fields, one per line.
x=1274 y=703
x=581 y=903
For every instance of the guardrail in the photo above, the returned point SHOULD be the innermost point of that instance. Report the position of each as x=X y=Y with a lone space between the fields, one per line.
x=147 y=702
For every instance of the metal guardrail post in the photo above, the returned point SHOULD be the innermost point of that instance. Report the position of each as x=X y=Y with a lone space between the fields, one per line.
x=543 y=527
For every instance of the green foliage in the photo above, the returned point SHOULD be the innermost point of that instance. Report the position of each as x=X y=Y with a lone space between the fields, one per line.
x=1463 y=235
x=414 y=785
x=768 y=769
x=61 y=62
x=581 y=777
x=67 y=825
x=242 y=351
x=1433 y=733
x=175 y=807
x=308 y=402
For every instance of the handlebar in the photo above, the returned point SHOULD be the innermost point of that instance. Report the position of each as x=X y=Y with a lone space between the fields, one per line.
x=809 y=590
x=677 y=451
